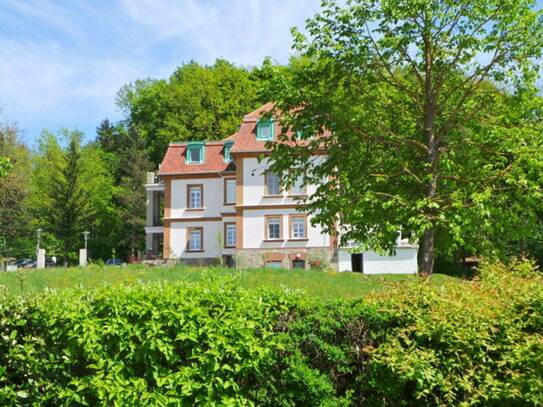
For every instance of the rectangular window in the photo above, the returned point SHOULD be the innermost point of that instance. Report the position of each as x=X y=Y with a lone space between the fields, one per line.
x=273 y=184
x=227 y=155
x=195 y=196
x=264 y=130
x=274 y=264
x=229 y=235
x=195 y=239
x=298 y=188
x=273 y=226
x=229 y=191
x=298 y=227
x=195 y=153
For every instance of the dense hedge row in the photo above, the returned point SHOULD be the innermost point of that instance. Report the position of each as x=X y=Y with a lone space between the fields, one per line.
x=472 y=343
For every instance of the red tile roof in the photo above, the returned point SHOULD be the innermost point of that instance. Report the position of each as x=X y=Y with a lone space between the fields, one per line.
x=246 y=137
x=174 y=161
x=244 y=141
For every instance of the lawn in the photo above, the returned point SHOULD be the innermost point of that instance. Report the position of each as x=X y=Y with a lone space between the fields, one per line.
x=326 y=285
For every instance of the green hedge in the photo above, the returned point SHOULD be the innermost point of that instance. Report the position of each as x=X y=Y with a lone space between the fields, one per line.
x=470 y=343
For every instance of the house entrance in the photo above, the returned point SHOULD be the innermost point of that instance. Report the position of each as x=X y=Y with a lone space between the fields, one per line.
x=298 y=264
x=356 y=262
x=229 y=261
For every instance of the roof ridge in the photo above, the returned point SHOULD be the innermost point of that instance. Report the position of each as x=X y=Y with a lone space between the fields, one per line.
x=265 y=107
x=205 y=142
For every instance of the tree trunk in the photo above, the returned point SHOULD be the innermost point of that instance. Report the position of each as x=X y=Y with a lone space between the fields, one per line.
x=427 y=247
x=427 y=253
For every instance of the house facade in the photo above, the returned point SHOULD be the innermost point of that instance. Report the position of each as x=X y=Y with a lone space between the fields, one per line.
x=216 y=199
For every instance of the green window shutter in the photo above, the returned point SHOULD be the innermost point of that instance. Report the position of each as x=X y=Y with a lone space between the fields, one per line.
x=265 y=130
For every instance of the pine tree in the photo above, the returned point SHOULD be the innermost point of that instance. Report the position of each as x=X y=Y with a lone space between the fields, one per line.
x=69 y=211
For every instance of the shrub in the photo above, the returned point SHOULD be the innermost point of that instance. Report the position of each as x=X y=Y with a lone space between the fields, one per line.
x=463 y=343
x=139 y=345
x=469 y=343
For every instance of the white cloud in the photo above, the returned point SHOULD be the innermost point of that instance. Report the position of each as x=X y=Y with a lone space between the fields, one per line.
x=239 y=30
x=45 y=12
x=61 y=64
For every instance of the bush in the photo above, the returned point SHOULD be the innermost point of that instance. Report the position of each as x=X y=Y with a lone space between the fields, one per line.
x=139 y=345
x=464 y=343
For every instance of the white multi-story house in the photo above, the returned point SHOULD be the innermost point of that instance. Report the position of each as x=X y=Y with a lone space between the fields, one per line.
x=215 y=200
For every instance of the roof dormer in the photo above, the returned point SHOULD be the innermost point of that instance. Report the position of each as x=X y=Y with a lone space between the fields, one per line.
x=264 y=129
x=195 y=153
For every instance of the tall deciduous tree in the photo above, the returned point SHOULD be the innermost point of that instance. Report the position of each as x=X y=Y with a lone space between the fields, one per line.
x=72 y=192
x=15 y=230
x=128 y=162
x=197 y=103
x=435 y=125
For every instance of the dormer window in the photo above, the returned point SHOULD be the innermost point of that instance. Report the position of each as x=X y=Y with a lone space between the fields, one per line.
x=195 y=153
x=264 y=130
x=227 y=155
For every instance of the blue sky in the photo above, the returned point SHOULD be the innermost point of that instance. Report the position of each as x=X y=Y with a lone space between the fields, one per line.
x=63 y=61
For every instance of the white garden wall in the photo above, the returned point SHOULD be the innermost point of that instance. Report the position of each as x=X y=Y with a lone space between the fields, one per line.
x=403 y=262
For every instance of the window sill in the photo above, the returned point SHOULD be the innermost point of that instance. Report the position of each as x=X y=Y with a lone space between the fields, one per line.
x=195 y=251
x=195 y=209
x=297 y=196
x=272 y=196
x=274 y=240
x=228 y=203
x=305 y=239
x=229 y=247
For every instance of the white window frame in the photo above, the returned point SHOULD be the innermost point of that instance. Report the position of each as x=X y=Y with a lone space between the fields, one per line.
x=230 y=233
x=198 y=244
x=298 y=188
x=274 y=221
x=276 y=184
x=298 y=227
x=192 y=201
x=230 y=183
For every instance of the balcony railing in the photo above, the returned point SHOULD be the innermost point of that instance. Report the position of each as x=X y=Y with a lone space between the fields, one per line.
x=153 y=178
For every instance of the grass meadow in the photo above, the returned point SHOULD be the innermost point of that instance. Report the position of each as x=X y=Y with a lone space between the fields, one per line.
x=322 y=284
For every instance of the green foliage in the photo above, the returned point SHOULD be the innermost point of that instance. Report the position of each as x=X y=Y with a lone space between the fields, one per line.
x=326 y=285
x=71 y=192
x=196 y=103
x=140 y=346
x=434 y=117
x=213 y=343
x=15 y=232
x=477 y=343
x=127 y=161
x=5 y=166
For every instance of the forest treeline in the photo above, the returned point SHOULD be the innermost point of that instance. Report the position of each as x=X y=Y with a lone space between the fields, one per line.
x=71 y=182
